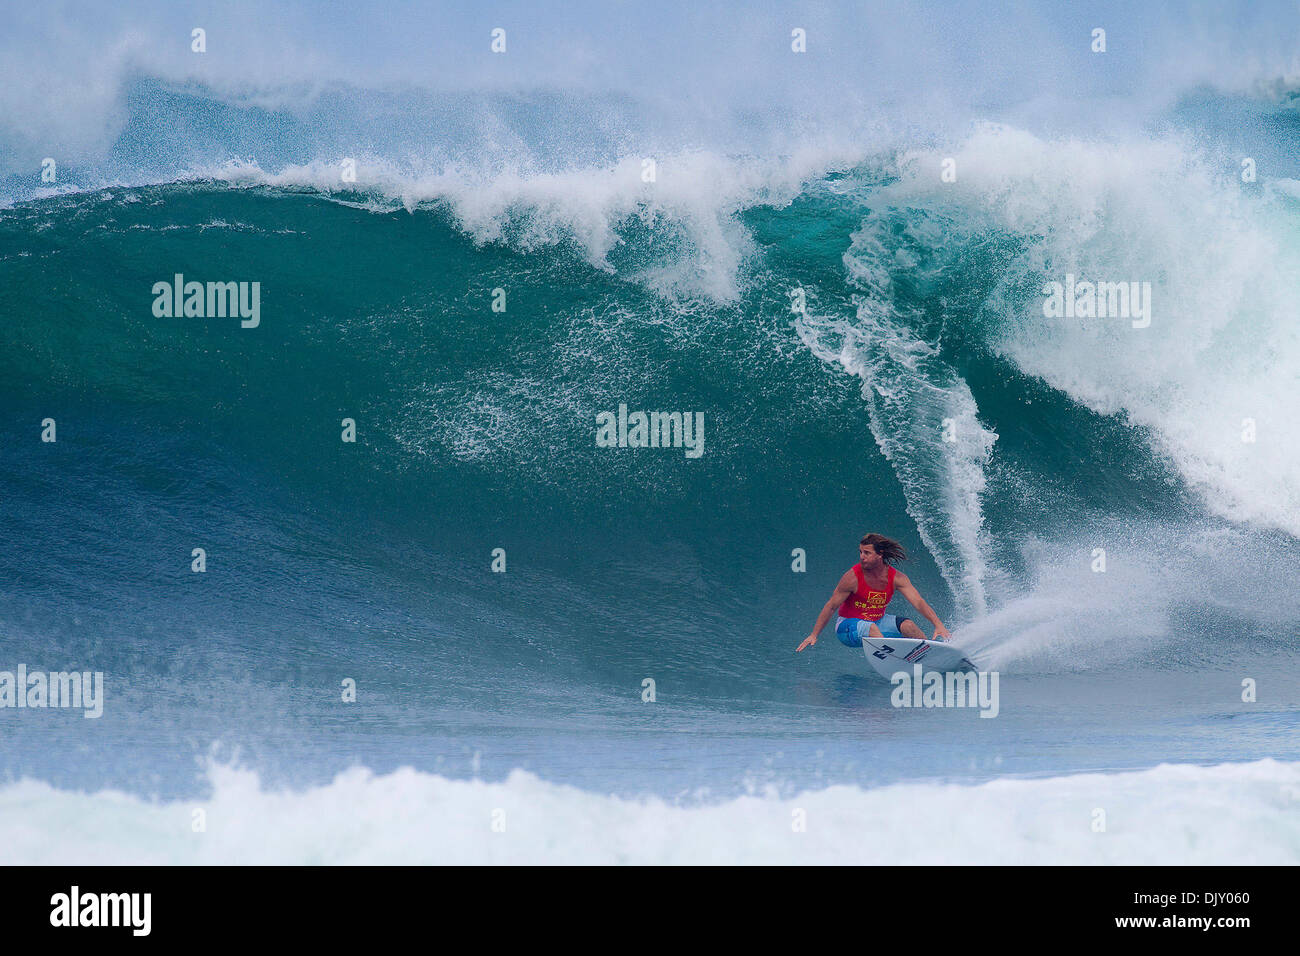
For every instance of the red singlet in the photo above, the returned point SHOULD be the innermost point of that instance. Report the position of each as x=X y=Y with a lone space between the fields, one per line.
x=864 y=603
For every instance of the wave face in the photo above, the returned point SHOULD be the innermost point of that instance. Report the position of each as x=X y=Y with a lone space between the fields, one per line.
x=1107 y=511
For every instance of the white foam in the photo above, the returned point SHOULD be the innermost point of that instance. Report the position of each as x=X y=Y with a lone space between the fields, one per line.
x=706 y=70
x=1171 y=814
x=1214 y=590
x=1223 y=345
x=695 y=192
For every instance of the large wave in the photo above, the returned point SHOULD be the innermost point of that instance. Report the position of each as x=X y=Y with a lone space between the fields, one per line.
x=928 y=292
x=1077 y=494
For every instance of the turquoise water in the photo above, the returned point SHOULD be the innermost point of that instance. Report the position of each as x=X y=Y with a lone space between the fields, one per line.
x=373 y=561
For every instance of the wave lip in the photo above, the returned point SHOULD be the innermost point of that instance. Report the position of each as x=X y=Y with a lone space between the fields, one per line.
x=1208 y=383
x=1241 y=813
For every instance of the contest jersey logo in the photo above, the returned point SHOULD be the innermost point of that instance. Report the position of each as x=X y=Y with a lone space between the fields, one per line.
x=875 y=601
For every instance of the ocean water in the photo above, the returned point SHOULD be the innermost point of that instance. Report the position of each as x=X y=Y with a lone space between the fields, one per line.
x=502 y=716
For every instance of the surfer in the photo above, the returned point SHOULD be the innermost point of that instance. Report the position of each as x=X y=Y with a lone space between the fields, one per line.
x=865 y=590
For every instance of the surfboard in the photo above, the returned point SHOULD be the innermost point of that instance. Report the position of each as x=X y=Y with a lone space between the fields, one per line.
x=890 y=655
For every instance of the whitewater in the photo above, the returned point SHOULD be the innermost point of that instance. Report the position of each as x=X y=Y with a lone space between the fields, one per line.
x=1210 y=816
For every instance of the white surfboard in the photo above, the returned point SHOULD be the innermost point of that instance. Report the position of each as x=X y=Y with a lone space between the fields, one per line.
x=889 y=655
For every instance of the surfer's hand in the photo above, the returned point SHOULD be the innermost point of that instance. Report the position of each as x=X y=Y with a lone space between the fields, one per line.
x=941 y=633
x=808 y=641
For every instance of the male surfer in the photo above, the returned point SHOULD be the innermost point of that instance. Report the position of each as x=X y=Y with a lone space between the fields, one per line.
x=863 y=592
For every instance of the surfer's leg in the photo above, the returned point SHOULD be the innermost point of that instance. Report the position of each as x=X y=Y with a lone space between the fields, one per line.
x=908 y=628
x=875 y=631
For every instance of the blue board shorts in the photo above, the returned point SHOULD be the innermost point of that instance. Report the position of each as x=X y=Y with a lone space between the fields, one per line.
x=847 y=629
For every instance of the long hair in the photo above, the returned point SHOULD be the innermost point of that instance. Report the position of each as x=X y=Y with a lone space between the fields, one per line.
x=887 y=548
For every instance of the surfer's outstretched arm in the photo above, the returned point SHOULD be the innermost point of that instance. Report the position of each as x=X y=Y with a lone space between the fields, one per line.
x=838 y=597
x=909 y=591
